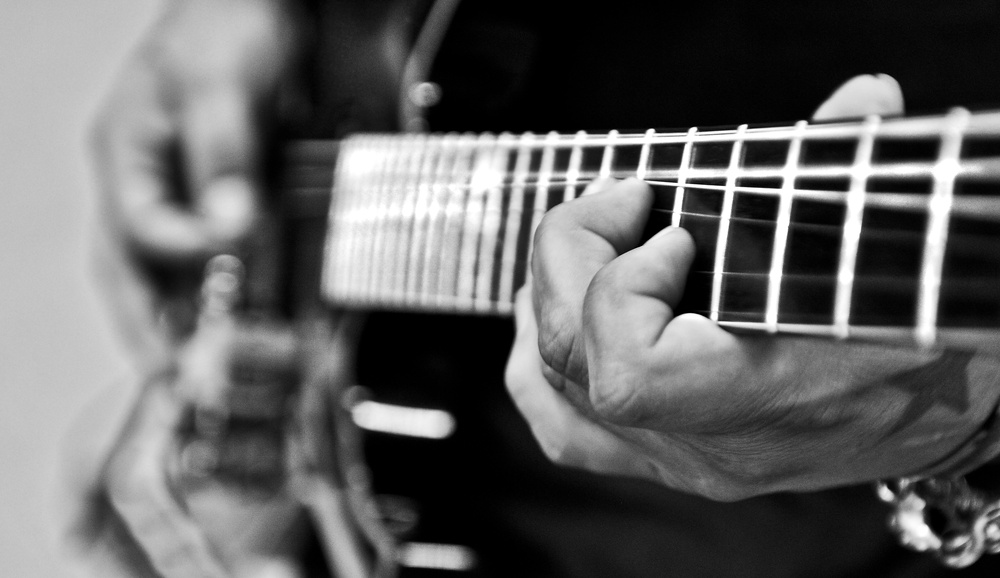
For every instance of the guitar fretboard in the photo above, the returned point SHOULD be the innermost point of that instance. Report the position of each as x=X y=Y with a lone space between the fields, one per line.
x=877 y=227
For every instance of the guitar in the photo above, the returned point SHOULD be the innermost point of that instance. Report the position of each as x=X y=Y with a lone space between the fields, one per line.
x=847 y=230
x=880 y=229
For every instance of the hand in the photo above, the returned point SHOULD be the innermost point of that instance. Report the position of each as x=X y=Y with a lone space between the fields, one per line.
x=616 y=383
x=179 y=151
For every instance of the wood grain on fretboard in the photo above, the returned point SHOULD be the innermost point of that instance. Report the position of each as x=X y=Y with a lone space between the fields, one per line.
x=881 y=227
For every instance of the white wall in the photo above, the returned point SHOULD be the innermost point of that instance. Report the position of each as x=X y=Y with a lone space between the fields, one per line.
x=56 y=57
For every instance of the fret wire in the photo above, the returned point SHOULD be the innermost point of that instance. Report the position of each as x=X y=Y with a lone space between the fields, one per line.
x=342 y=188
x=391 y=222
x=722 y=242
x=396 y=287
x=573 y=169
x=512 y=229
x=370 y=212
x=781 y=227
x=335 y=235
x=542 y=190
x=937 y=228
x=435 y=215
x=851 y=239
x=473 y=226
x=418 y=243
x=643 y=164
x=437 y=187
x=386 y=215
x=355 y=191
x=607 y=158
x=381 y=201
x=491 y=223
x=682 y=176
x=447 y=281
x=411 y=244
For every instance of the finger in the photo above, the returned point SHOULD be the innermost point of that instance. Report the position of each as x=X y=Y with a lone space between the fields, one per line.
x=862 y=96
x=565 y=435
x=134 y=143
x=572 y=243
x=647 y=367
x=141 y=493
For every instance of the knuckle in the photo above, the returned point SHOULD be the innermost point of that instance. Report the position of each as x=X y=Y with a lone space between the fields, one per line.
x=614 y=400
x=557 y=380
x=556 y=344
x=604 y=293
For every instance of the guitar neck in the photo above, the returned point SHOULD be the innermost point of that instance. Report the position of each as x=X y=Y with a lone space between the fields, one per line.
x=881 y=228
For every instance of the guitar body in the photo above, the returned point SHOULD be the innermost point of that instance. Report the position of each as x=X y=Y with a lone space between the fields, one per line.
x=486 y=488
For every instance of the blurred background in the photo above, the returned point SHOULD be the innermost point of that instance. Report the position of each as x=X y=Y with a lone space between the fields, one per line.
x=56 y=349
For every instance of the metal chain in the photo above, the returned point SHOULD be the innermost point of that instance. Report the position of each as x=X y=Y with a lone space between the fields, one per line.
x=943 y=516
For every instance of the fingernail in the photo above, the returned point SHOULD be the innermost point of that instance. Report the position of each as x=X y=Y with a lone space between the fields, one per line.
x=663 y=233
x=228 y=203
x=599 y=185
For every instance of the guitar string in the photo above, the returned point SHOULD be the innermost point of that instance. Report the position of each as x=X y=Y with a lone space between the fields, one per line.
x=981 y=124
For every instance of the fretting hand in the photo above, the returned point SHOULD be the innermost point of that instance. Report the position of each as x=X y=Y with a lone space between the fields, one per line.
x=611 y=381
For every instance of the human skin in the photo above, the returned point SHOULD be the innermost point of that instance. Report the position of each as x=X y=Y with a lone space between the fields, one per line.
x=611 y=381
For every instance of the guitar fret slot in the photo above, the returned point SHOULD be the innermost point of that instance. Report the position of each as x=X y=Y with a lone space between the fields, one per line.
x=725 y=214
x=682 y=175
x=446 y=282
x=492 y=221
x=412 y=244
x=607 y=159
x=474 y=214
x=860 y=172
x=509 y=278
x=541 y=200
x=377 y=206
x=573 y=167
x=939 y=204
x=357 y=189
x=781 y=228
x=437 y=217
x=402 y=230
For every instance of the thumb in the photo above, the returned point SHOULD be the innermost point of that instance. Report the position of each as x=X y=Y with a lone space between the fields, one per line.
x=862 y=96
